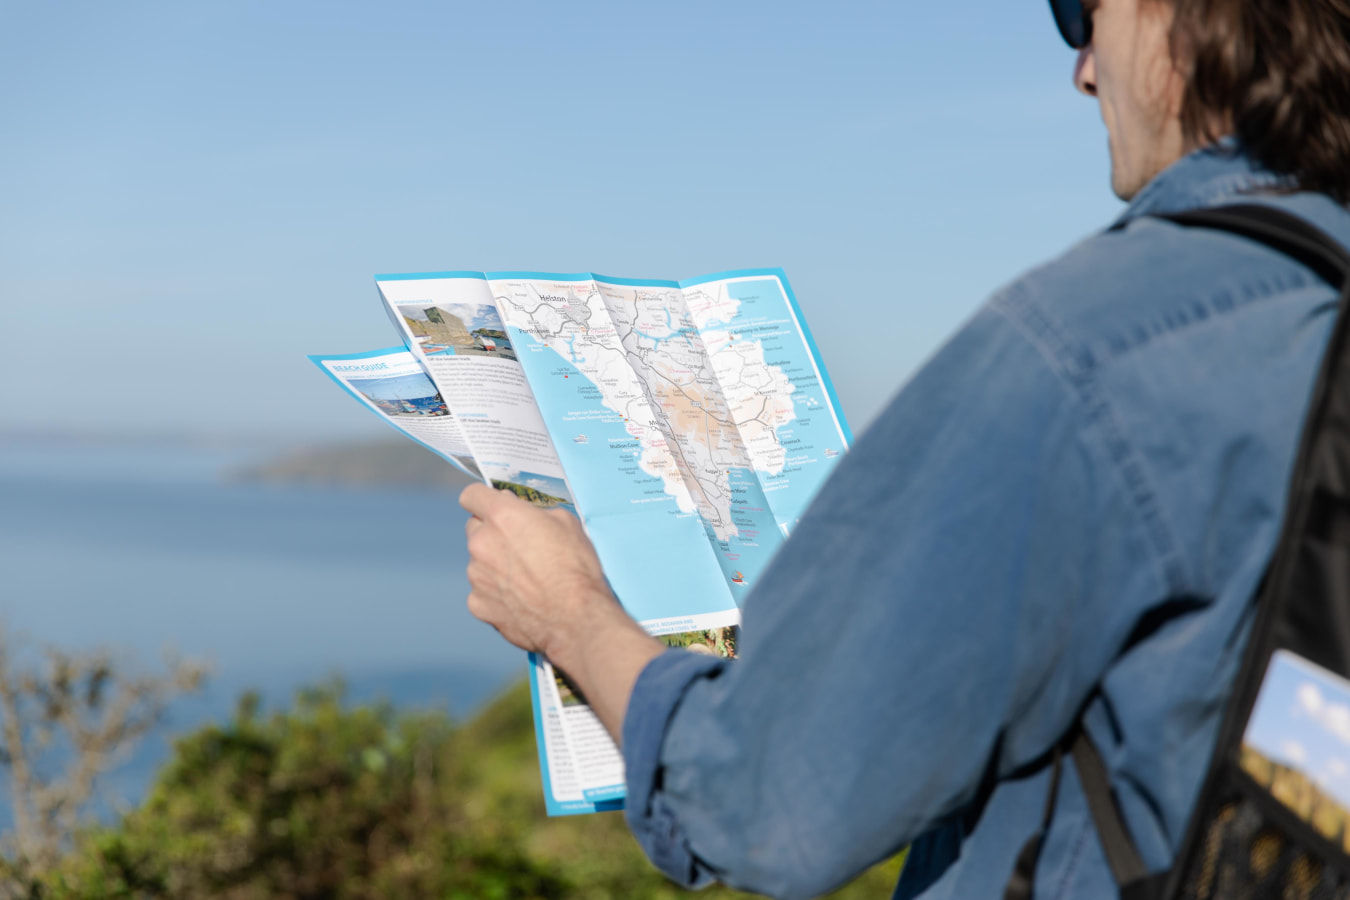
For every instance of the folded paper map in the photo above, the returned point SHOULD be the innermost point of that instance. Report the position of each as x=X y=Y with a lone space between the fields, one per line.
x=687 y=423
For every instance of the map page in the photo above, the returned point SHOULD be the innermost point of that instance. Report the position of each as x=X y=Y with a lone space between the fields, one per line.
x=707 y=392
x=774 y=382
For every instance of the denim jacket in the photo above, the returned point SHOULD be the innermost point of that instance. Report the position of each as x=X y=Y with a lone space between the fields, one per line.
x=1067 y=510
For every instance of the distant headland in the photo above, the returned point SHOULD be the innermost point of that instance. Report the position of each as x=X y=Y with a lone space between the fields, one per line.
x=383 y=463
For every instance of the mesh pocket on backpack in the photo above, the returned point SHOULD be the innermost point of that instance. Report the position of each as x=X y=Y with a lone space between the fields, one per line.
x=1246 y=855
x=1275 y=820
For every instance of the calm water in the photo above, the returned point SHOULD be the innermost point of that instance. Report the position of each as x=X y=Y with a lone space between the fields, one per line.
x=147 y=549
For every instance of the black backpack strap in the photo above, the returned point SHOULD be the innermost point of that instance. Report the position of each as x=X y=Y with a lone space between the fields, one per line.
x=1122 y=856
x=1022 y=882
x=1279 y=230
x=1309 y=245
x=1117 y=845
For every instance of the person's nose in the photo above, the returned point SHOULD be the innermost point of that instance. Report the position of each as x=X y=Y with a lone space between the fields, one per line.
x=1085 y=72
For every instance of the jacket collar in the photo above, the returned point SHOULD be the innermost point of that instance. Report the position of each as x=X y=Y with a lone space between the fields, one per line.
x=1218 y=174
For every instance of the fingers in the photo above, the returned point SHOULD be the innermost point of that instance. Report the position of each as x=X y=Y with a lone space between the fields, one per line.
x=489 y=508
x=485 y=595
x=486 y=612
x=477 y=608
x=489 y=503
x=524 y=564
x=560 y=515
x=489 y=548
x=477 y=573
x=477 y=497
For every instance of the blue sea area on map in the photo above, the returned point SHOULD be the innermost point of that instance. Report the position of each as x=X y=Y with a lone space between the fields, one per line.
x=656 y=557
x=812 y=440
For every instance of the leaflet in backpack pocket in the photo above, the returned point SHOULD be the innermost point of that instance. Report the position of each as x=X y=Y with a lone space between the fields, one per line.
x=1297 y=743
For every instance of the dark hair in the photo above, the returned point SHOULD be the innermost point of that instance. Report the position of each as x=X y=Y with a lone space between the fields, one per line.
x=1277 y=72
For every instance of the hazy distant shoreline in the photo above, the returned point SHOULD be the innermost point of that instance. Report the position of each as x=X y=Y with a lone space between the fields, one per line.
x=384 y=463
x=187 y=440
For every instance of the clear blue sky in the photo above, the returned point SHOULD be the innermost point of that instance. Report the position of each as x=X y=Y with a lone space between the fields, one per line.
x=195 y=195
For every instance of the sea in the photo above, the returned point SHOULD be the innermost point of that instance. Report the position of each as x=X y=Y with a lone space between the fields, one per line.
x=153 y=549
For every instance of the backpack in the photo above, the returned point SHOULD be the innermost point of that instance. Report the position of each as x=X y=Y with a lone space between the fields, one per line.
x=1267 y=822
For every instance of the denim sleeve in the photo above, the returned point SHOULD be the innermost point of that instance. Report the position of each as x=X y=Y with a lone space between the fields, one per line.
x=937 y=618
x=658 y=691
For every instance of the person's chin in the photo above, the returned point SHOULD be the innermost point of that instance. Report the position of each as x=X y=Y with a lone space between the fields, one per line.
x=1125 y=180
x=1125 y=189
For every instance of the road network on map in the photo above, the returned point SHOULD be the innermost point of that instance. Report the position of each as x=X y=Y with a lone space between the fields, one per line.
x=700 y=401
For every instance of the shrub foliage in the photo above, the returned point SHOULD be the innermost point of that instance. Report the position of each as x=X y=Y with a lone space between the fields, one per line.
x=329 y=801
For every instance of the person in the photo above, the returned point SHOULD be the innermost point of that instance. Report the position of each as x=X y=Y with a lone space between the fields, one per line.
x=1062 y=518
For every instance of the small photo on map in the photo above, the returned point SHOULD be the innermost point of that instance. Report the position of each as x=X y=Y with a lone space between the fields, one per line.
x=568 y=692
x=1297 y=743
x=403 y=395
x=458 y=329
x=709 y=642
x=543 y=491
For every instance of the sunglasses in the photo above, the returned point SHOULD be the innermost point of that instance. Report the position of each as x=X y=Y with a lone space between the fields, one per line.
x=1073 y=21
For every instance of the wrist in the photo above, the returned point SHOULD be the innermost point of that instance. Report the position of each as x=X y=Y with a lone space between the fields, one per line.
x=594 y=617
x=603 y=652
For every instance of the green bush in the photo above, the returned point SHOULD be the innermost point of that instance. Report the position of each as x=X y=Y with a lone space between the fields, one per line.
x=331 y=801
